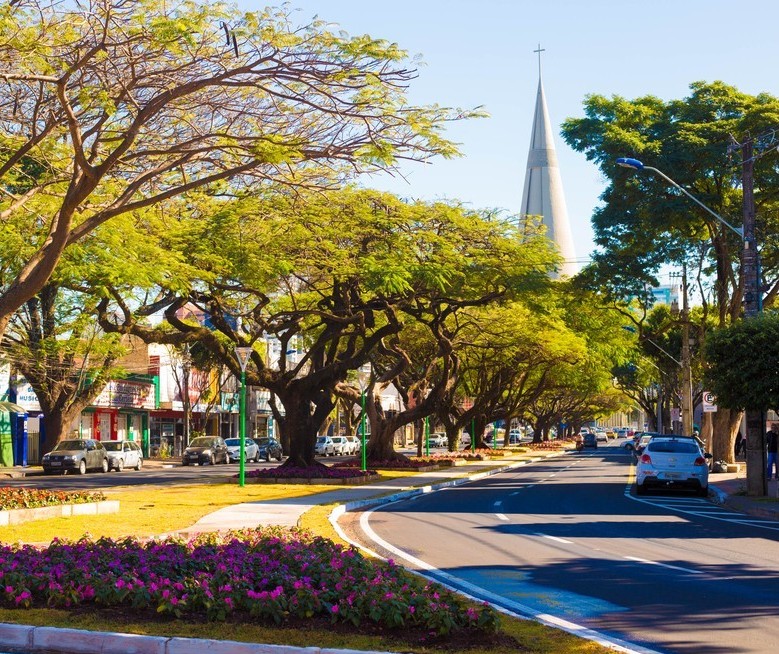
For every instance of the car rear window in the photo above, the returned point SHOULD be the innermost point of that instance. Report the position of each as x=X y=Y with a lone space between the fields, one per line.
x=675 y=447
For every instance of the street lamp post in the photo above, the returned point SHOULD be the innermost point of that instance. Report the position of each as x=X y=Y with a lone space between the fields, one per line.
x=243 y=354
x=363 y=376
x=635 y=164
x=427 y=435
x=750 y=264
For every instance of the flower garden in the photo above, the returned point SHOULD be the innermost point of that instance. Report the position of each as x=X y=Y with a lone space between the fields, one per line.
x=33 y=498
x=318 y=472
x=269 y=575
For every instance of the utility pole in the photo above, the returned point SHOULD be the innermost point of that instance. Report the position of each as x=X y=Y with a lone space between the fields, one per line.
x=687 y=408
x=750 y=265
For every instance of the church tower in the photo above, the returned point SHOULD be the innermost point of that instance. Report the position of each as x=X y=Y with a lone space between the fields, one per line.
x=543 y=192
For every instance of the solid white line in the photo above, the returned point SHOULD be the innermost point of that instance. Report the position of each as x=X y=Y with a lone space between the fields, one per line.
x=555 y=538
x=502 y=517
x=664 y=565
x=504 y=604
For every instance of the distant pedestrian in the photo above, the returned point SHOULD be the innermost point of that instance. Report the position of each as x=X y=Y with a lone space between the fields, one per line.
x=772 y=442
x=737 y=447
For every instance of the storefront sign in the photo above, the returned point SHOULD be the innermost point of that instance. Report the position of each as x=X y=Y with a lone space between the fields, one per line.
x=230 y=402
x=126 y=394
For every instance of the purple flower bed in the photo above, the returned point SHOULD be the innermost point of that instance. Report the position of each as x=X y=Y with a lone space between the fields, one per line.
x=320 y=472
x=263 y=575
x=410 y=464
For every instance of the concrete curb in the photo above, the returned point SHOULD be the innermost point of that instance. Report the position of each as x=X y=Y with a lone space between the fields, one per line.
x=76 y=641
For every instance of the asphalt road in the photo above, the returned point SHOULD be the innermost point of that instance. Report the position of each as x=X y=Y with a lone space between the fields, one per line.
x=566 y=539
x=156 y=476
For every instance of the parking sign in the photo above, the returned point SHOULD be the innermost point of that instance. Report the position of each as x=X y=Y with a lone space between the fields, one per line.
x=709 y=402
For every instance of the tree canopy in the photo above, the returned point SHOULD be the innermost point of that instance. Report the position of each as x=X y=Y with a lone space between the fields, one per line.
x=113 y=106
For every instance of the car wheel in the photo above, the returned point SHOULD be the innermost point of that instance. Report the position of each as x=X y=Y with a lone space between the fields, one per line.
x=120 y=465
x=640 y=489
x=279 y=457
x=267 y=456
x=184 y=463
x=104 y=467
x=703 y=492
x=212 y=460
x=139 y=465
x=82 y=467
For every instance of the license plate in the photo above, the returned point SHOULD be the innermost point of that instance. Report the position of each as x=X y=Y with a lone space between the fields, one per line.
x=54 y=464
x=672 y=475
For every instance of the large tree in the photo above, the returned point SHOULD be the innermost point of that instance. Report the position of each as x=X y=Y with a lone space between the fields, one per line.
x=338 y=274
x=110 y=106
x=644 y=222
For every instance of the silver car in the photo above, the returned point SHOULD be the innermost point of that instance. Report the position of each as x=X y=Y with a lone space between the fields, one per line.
x=75 y=454
x=234 y=450
x=123 y=454
x=324 y=446
x=668 y=462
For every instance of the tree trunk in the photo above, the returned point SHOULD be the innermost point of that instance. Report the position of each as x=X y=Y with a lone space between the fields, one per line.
x=56 y=422
x=298 y=426
x=725 y=427
x=381 y=446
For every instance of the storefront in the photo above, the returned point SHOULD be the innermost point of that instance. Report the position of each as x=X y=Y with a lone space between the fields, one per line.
x=120 y=412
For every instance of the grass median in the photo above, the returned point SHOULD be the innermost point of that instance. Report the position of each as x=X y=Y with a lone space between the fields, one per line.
x=146 y=513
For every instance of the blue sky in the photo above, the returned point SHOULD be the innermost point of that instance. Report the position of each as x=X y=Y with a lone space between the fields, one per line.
x=481 y=53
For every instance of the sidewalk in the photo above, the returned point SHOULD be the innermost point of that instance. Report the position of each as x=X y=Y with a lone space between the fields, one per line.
x=730 y=489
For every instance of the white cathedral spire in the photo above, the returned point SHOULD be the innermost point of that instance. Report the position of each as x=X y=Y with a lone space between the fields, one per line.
x=543 y=192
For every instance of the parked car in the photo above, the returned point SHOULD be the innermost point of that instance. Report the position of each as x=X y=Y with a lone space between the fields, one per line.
x=341 y=446
x=123 y=454
x=354 y=445
x=269 y=448
x=234 y=450
x=324 y=446
x=206 y=450
x=439 y=439
x=670 y=462
x=76 y=454
x=601 y=435
x=590 y=440
x=640 y=441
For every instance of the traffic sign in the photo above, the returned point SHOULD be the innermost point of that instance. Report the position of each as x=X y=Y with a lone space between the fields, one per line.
x=709 y=402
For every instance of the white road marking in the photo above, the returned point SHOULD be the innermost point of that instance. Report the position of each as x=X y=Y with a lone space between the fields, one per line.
x=501 y=603
x=664 y=565
x=703 y=508
x=502 y=517
x=555 y=538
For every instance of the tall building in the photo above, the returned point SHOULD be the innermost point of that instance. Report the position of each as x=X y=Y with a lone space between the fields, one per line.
x=543 y=192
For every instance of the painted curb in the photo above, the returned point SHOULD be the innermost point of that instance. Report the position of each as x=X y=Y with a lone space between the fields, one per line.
x=20 y=516
x=52 y=640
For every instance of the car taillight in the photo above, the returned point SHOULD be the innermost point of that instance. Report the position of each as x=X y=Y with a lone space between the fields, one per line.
x=645 y=458
x=700 y=461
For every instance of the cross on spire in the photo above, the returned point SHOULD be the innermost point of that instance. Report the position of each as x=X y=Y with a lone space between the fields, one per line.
x=539 y=51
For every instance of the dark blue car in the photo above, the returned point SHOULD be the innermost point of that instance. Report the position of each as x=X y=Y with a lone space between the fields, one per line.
x=590 y=440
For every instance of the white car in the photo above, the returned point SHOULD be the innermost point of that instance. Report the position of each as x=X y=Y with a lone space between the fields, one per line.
x=234 y=450
x=354 y=445
x=439 y=439
x=341 y=446
x=123 y=454
x=324 y=446
x=671 y=462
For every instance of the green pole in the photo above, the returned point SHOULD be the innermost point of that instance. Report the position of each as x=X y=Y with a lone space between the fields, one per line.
x=362 y=427
x=427 y=436
x=242 y=430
